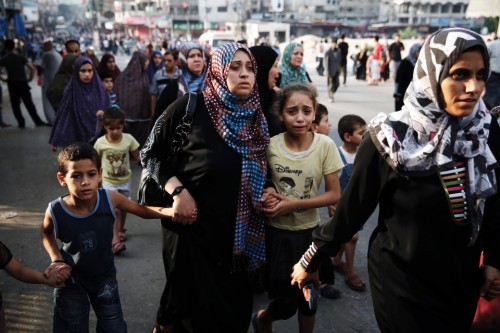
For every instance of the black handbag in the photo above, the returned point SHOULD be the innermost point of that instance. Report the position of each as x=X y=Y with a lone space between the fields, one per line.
x=150 y=193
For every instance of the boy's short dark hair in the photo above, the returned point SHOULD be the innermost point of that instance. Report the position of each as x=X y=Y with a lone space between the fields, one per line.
x=348 y=123
x=174 y=53
x=113 y=113
x=76 y=152
x=320 y=111
x=71 y=41
x=105 y=75
x=9 y=44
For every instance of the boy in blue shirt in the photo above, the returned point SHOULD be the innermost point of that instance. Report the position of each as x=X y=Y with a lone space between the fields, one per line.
x=351 y=129
x=108 y=84
x=83 y=221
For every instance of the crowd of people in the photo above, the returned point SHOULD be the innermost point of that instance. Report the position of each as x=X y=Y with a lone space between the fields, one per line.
x=240 y=145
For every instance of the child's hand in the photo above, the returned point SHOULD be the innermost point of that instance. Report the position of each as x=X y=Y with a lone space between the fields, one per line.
x=267 y=199
x=284 y=206
x=184 y=208
x=100 y=114
x=331 y=210
x=56 y=274
x=55 y=267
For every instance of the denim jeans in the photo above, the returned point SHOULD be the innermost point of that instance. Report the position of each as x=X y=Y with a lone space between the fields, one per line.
x=72 y=306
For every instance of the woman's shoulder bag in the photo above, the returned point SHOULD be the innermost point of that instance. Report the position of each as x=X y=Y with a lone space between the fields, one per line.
x=150 y=193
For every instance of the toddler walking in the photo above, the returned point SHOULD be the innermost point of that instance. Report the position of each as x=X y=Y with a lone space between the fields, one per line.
x=351 y=129
x=115 y=149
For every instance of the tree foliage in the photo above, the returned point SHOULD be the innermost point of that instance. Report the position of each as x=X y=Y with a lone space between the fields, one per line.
x=408 y=33
x=491 y=23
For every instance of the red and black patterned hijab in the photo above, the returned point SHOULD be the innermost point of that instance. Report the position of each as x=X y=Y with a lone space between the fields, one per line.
x=243 y=127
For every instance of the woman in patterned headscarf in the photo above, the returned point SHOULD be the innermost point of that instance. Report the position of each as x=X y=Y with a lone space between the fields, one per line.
x=76 y=118
x=220 y=170
x=432 y=169
x=291 y=65
x=132 y=92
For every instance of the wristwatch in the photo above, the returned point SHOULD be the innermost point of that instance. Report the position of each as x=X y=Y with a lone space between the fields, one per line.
x=177 y=190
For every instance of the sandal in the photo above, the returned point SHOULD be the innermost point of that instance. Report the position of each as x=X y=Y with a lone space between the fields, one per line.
x=340 y=267
x=118 y=248
x=329 y=291
x=355 y=283
x=122 y=236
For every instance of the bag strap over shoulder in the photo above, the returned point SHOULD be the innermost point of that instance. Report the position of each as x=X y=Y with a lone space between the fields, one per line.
x=191 y=105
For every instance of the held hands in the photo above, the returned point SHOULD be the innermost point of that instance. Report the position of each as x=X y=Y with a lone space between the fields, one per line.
x=184 y=208
x=278 y=205
x=267 y=199
x=56 y=273
x=491 y=286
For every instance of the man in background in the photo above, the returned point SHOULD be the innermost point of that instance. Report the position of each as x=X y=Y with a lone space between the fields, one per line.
x=344 y=50
x=332 y=68
x=395 y=50
x=51 y=60
x=17 y=83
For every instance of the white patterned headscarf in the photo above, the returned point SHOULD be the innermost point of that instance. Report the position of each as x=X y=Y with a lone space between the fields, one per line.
x=423 y=138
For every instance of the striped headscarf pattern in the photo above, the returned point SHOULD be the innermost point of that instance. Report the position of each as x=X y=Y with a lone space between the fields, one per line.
x=241 y=124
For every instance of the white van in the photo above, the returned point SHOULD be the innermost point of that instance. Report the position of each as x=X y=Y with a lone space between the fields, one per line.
x=215 y=39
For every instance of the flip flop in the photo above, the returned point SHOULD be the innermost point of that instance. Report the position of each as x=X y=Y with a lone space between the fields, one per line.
x=329 y=291
x=340 y=267
x=355 y=283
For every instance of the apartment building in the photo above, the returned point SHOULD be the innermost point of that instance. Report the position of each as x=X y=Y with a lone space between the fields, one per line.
x=429 y=12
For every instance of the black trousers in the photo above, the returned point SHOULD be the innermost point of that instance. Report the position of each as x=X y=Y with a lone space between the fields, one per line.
x=20 y=90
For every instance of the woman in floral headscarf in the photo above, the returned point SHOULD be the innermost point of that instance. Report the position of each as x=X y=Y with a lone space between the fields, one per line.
x=221 y=171
x=132 y=92
x=432 y=169
x=291 y=65
x=76 y=118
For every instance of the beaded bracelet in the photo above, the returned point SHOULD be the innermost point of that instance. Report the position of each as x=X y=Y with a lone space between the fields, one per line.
x=308 y=255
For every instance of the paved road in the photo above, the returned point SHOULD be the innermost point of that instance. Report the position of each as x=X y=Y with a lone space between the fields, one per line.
x=28 y=183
